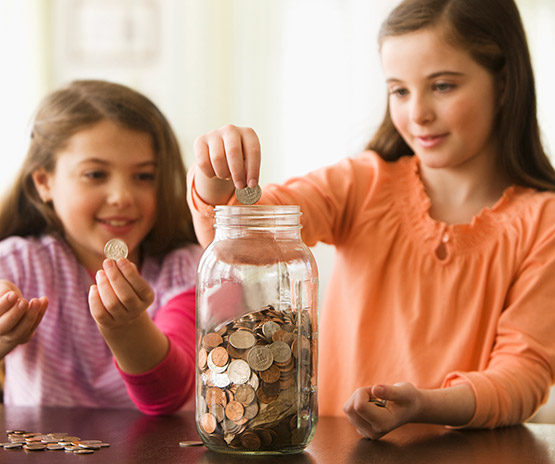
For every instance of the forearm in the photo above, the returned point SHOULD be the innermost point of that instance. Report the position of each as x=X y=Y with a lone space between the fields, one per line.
x=138 y=347
x=164 y=389
x=447 y=406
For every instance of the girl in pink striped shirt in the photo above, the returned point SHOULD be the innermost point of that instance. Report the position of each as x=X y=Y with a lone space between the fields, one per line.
x=77 y=329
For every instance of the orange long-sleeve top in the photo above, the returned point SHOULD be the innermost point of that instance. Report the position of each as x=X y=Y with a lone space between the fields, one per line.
x=482 y=312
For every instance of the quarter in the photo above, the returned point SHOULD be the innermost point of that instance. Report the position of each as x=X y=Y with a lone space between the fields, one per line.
x=115 y=249
x=248 y=196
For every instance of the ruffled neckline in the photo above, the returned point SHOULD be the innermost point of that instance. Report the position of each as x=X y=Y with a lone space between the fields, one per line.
x=414 y=207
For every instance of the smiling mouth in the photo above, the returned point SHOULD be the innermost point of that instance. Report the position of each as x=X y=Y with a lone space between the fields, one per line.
x=115 y=222
x=430 y=141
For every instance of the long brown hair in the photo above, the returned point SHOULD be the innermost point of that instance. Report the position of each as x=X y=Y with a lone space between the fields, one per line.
x=82 y=104
x=492 y=32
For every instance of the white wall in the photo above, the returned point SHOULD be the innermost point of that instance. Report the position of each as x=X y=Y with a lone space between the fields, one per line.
x=22 y=28
x=304 y=73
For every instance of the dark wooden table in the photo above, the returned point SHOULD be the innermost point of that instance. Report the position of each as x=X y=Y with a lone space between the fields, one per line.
x=137 y=439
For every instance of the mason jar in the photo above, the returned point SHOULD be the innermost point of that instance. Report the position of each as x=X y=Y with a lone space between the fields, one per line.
x=257 y=333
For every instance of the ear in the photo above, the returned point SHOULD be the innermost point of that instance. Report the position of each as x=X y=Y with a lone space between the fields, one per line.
x=42 y=181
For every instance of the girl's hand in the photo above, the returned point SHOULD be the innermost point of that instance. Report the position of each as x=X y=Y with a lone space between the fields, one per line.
x=227 y=158
x=120 y=295
x=118 y=303
x=19 y=317
x=402 y=403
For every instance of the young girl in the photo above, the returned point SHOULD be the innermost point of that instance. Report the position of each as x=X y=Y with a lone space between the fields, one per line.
x=440 y=303
x=103 y=163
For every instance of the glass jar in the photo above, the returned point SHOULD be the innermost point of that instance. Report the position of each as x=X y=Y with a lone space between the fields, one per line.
x=256 y=336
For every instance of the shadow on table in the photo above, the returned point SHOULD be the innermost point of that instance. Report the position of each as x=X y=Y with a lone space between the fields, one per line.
x=508 y=445
x=210 y=457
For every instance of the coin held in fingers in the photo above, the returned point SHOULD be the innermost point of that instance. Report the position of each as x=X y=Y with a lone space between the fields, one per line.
x=248 y=196
x=115 y=249
x=379 y=402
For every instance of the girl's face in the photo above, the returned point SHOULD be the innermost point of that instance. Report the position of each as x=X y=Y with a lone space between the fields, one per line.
x=441 y=101
x=103 y=187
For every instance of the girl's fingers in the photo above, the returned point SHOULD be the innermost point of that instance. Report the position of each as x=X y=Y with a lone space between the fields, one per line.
x=97 y=309
x=121 y=286
x=140 y=287
x=202 y=156
x=218 y=157
x=106 y=294
x=361 y=413
x=35 y=312
x=7 y=301
x=230 y=152
x=19 y=324
x=235 y=155
x=13 y=316
x=251 y=150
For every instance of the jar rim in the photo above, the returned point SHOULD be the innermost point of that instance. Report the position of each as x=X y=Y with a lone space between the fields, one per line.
x=257 y=210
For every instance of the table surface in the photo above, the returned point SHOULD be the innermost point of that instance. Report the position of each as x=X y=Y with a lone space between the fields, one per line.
x=136 y=438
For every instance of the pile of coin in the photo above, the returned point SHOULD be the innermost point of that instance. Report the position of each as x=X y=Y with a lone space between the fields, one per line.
x=36 y=441
x=248 y=195
x=257 y=382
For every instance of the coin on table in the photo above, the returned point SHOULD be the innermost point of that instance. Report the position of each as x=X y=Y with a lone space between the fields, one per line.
x=83 y=451
x=34 y=446
x=115 y=249
x=54 y=447
x=189 y=443
x=12 y=445
x=248 y=195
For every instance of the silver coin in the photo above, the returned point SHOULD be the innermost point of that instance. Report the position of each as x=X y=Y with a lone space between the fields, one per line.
x=115 y=249
x=189 y=443
x=378 y=402
x=248 y=196
x=53 y=447
x=83 y=451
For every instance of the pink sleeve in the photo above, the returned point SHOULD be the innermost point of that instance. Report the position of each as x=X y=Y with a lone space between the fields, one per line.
x=167 y=386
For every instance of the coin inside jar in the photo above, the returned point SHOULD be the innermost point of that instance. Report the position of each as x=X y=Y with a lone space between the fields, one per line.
x=115 y=249
x=248 y=195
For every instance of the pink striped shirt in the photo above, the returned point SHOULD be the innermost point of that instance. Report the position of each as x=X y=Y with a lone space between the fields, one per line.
x=67 y=362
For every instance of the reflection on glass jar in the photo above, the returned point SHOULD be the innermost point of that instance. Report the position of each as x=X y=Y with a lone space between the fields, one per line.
x=256 y=340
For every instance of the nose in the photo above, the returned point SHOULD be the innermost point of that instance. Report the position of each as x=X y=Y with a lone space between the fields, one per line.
x=421 y=110
x=119 y=193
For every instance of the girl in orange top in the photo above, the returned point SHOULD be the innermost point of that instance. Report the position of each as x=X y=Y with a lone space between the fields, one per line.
x=442 y=294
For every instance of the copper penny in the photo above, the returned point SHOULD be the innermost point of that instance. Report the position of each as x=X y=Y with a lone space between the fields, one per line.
x=270 y=375
x=208 y=423
x=212 y=340
x=215 y=395
x=234 y=411
x=219 y=356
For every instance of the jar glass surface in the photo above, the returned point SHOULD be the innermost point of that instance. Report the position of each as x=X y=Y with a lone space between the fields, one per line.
x=256 y=336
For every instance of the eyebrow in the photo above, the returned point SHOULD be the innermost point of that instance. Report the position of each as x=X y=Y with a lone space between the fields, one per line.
x=431 y=76
x=104 y=162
